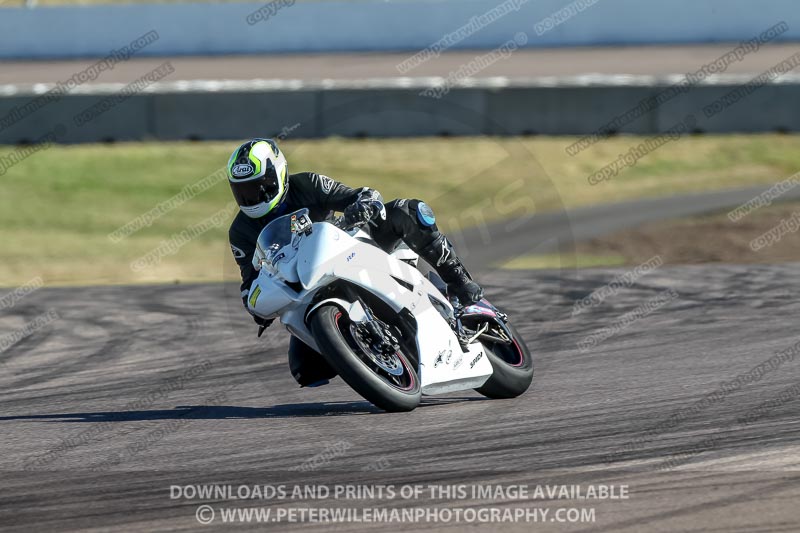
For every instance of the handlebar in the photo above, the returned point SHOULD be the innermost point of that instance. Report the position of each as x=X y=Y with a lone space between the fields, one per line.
x=339 y=223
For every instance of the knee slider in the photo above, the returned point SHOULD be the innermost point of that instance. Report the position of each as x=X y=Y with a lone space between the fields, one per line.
x=425 y=215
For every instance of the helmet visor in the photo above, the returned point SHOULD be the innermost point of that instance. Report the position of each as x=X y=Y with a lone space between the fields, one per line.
x=252 y=192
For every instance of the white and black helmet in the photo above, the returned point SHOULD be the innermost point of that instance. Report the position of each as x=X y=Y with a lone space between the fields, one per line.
x=259 y=177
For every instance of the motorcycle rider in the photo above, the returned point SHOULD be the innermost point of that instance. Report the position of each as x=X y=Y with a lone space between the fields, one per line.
x=259 y=177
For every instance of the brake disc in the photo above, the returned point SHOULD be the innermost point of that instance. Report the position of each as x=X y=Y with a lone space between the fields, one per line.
x=389 y=363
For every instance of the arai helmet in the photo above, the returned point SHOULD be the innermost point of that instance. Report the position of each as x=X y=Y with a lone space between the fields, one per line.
x=259 y=177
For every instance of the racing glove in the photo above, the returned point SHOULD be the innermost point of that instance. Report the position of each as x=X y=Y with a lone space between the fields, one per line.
x=368 y=207
x=263 y=323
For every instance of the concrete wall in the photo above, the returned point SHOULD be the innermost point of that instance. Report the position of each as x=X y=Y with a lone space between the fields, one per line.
x=327 y=26
x=309 y=113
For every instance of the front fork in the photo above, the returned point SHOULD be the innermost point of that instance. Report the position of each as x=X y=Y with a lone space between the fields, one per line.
x=381 y=336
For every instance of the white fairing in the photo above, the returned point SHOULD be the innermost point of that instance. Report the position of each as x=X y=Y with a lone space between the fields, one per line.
x=327 y=254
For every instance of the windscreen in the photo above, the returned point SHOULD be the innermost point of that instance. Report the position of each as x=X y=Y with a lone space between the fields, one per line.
x=276 y=235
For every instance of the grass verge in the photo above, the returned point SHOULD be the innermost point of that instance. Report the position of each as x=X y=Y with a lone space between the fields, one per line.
x=768 y=235
x=58 y=206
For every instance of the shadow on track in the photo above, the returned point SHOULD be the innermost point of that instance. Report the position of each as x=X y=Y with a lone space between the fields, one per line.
x=225 y=412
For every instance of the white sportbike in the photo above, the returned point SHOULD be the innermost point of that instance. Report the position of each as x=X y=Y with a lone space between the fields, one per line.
x=388 y=330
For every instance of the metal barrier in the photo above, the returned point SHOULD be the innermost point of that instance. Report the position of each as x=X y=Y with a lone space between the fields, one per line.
x=485 y=109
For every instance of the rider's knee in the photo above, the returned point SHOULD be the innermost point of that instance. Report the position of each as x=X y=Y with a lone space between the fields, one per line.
x=408 y=215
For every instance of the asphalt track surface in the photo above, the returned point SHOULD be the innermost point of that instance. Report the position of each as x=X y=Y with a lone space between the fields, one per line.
x=133 y=390
x=634 y=60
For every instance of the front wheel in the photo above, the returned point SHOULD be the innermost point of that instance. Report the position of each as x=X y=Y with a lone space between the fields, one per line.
x=512 y=366
x=387 y=381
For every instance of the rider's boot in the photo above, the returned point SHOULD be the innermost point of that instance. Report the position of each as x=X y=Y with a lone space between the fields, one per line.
x=442 y=256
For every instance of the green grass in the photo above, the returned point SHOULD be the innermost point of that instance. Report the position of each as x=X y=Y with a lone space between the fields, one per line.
x=561 y=261
x=58 y=206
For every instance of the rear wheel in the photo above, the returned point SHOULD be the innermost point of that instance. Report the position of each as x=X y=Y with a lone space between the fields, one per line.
x=389 y=381
x=512 y=366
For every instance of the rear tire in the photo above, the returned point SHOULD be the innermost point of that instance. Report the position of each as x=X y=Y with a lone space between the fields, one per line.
x=330 y=327
x=512 y=365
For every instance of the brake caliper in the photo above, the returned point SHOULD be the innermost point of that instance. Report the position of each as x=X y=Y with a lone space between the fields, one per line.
x=379 y=336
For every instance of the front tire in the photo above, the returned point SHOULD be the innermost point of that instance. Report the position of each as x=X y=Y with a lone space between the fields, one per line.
x=331 y=329
x=512 y=368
